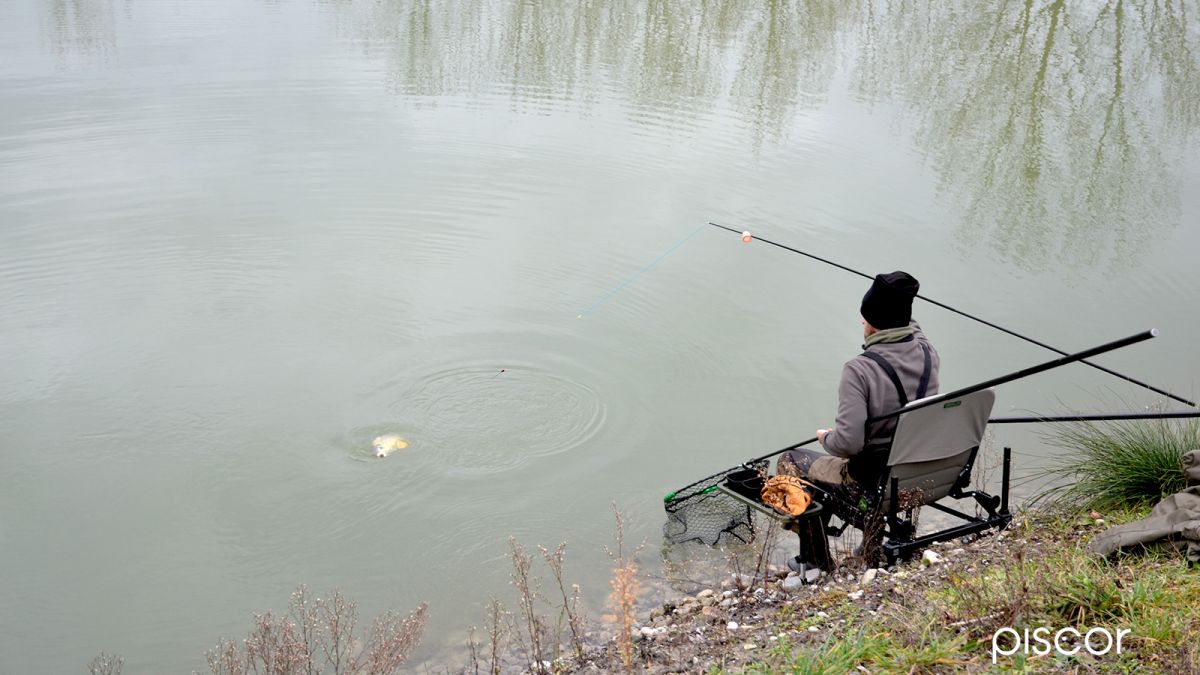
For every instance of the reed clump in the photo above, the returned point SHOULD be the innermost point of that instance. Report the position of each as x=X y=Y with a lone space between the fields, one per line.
x=1119 y=465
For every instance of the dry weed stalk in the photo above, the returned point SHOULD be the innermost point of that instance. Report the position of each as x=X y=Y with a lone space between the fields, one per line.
x=287 y=645
x=765 y=553
x=106 y=664
x=527 y=595
x=570 y=605
x=623 y=598
x=474 y=647
x=495 y=634
x=390 y=642
x=624 y=603
x=274 y=647
x=226 y=659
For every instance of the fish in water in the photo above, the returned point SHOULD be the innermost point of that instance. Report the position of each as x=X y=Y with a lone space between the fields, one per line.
x=387 y=444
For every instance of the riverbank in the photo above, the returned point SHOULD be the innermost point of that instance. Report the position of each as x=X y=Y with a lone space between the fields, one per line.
x=940 y=613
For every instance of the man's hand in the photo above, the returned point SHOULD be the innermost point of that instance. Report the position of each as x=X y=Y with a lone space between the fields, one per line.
x=821 y=434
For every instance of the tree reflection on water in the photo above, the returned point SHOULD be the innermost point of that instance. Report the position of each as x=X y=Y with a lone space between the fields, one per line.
x=1059 y=127
x=85 y=28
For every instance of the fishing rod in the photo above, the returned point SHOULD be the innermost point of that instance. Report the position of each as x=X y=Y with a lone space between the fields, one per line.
x=1032 y=370
x=1098 y=417
x=958 y=393
x=931 y=301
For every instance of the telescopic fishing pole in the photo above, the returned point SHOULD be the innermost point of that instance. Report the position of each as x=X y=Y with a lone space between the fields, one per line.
x=1098 y=417
x=1032 y=370
x=931 y=301
x=958 y=393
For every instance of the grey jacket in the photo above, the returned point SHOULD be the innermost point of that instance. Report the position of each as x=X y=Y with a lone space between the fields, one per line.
x=867 y=391
x=1175 y=520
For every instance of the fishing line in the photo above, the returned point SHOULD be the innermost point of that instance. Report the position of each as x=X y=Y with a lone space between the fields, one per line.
x=931 y=301
x=608 y=296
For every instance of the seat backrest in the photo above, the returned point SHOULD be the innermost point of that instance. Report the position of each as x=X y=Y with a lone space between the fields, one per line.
x=932 y=445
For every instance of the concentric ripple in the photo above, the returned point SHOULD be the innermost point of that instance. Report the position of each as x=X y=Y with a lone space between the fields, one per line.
x=483 y=420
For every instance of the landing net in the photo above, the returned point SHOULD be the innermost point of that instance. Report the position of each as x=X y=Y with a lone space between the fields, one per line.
x=704 y=512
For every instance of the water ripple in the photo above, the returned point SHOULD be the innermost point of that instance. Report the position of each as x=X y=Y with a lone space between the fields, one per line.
x=482 y=421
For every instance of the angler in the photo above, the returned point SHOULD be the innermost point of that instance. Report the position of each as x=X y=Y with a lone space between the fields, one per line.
x=898 y=365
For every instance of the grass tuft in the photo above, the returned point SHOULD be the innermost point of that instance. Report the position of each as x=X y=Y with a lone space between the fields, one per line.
x=1120 y=465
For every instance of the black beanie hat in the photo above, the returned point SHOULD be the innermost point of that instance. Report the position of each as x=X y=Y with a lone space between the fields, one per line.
x=888 y=303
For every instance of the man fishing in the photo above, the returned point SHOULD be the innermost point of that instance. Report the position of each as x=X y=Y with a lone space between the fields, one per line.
x=898 y=365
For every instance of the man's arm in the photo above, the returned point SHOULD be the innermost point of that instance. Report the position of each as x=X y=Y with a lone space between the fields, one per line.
x=846 y=437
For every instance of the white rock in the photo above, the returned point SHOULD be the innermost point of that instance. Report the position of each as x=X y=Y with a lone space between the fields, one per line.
x=869 y=576
x=812 y=629
x=706 y=593
x=823 y=615
x=856 y=595
x=957 y=551
x=732 y=625
x=749 y=645
x=931 y=558
x=792 y=584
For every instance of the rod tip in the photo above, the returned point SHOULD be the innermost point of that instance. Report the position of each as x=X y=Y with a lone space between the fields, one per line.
x=1153 y=332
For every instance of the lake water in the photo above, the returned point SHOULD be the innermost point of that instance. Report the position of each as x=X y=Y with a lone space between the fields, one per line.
x=239 y=239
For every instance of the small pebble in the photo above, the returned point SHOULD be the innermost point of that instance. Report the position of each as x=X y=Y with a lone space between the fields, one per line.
x=732 y=625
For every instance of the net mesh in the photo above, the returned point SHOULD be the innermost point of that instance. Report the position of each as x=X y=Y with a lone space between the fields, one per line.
x=702 y=512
